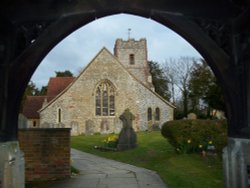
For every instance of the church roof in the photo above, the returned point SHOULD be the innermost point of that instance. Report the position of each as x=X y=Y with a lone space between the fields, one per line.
x=31 y=105
x=57 y=84
x=98 y=54
x=34 y=103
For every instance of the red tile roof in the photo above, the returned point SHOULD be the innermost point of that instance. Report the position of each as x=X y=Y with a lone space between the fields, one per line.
x=57 y=84
x=34 y=103
x=31 y=105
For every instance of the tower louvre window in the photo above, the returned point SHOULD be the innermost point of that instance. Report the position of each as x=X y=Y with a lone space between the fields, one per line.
x=105 y=99
x=131 y=59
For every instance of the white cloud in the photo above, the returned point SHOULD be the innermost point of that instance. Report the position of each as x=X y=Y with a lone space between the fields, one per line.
x=76 y=50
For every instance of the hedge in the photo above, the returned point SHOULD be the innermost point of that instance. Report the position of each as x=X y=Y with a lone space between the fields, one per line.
x=196 y=135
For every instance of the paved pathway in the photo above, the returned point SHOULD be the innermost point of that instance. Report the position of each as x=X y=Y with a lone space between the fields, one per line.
x=97 y=172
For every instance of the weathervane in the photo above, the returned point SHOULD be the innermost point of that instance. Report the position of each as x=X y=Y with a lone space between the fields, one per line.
x=129 y=30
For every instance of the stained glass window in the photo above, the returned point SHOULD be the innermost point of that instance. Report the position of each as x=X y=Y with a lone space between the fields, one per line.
x=105 y=99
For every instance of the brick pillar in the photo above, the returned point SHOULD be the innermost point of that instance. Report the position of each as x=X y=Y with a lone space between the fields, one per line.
x=46 y=153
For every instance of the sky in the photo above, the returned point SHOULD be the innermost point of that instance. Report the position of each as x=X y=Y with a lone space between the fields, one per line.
x=80 y=47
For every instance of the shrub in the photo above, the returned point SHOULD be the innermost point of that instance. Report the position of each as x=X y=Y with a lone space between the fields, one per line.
x=196 y=135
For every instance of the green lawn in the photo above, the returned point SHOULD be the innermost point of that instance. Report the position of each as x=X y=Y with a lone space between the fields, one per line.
x=155 y=153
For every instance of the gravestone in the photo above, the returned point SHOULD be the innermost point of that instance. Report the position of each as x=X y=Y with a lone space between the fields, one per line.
x=89 y=127
x=155 y=127
x=104 y=126
x=74 y=128
x=127 y=137
x=191 y=116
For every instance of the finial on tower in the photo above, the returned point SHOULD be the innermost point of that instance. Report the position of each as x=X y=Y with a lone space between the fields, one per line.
x=129 y=31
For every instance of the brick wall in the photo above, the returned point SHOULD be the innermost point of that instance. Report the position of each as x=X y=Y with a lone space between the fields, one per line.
x=46 y=153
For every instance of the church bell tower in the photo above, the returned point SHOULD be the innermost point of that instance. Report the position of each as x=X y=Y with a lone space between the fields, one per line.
x=133 y=55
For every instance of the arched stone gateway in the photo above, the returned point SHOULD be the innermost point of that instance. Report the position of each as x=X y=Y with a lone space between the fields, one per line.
x=219 y=30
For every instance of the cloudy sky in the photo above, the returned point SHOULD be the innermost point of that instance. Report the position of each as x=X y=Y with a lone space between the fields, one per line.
x=80 y=47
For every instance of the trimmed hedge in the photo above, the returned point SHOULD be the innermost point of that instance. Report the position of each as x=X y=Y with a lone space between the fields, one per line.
x=196 y=135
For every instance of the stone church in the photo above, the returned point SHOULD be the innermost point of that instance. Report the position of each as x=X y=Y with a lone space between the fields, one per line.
x=93 y=102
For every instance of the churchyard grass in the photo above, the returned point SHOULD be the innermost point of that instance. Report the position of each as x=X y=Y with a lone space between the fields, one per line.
x=155 y=153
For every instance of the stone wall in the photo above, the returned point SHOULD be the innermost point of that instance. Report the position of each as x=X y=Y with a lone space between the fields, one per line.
x=46 y=153
x=140 y=68
x=77 y=102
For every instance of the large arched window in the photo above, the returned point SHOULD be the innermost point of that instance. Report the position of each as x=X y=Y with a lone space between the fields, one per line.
x=157 y=114
x=105 y=99
x=149 y=114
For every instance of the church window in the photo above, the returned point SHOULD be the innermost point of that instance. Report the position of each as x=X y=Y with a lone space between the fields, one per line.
x=157 y=114
x=112 y=102
x=131 y=59
x=34 y=123
x=59 y=115
x=105 y=99
x=149 y=114
x=98 y=102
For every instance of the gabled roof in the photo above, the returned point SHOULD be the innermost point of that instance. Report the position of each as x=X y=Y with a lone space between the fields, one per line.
x=34 y=103
x=57 y=84
x=100 y=52
x=31 y=105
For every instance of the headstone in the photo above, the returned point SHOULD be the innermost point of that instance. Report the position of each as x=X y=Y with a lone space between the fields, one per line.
x=89 y=127
x=127 y=137
x=104 y=126
x=192 y=116
x=74 y=128
x=155 y=127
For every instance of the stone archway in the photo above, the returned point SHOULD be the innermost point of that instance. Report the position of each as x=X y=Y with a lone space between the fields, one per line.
x=218 y=30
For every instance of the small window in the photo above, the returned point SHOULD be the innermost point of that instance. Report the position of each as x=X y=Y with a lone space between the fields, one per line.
x=132 y=59
x=34 y=123
x=157 y=114
x=59 y=115
x=149 y=114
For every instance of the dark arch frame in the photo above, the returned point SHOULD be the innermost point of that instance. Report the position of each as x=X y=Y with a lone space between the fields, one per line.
x=218 y=29
x=64 y=21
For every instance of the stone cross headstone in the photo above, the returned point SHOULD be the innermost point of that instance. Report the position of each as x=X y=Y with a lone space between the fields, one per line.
x=127 y=137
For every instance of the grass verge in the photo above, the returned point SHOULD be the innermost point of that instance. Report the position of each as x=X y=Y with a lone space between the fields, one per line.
x=155 y=153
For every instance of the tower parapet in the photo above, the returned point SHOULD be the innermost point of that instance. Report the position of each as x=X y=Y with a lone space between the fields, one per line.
x=133 y=55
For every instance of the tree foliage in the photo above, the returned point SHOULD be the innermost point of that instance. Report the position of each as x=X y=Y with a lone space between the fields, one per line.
x=31 y=89
x=178 y=71
x=204 y=89
x=159 y=80
x=43 y=90
x=65 y=73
